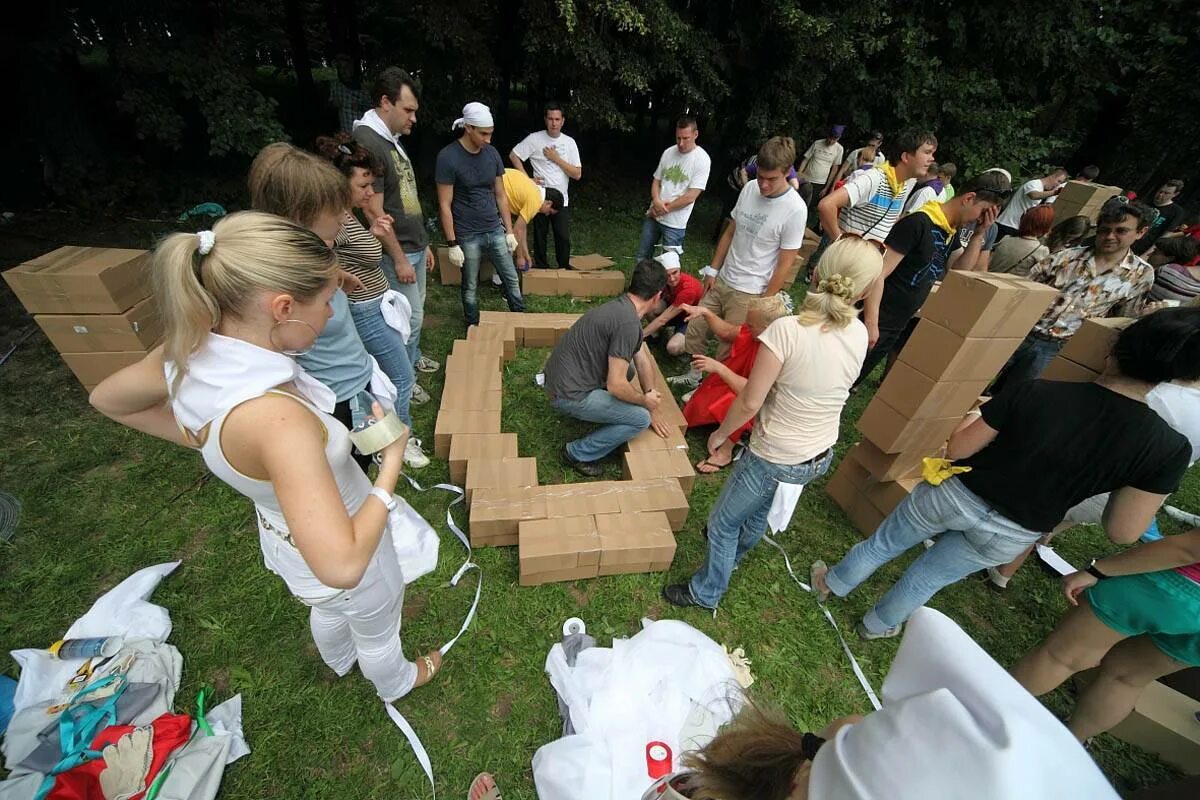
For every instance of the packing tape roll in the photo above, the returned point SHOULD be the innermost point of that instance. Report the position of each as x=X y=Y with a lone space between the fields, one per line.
x=574 y=625
x=374 y=438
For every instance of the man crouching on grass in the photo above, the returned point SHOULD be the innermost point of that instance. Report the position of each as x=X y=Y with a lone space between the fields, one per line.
x=591 y=372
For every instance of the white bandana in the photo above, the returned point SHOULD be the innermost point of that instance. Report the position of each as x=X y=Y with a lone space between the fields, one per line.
x=476 y=115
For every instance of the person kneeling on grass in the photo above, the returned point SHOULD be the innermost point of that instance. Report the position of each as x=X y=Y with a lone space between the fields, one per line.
x=682 y=290
x=797 y=387
x=1038 y=448
x=590 y=373
x=710 y=402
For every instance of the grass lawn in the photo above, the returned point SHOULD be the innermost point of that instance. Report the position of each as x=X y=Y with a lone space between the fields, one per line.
x=101 y=501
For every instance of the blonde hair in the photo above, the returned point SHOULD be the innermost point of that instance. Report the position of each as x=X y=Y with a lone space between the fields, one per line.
x=771 y=308
x=846 y=269
x=251 y=252
x=287 y=181
x=778 y=152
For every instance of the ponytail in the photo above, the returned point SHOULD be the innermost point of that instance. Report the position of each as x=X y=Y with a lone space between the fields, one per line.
x=754 y=757
x=188 y=311
x=846 y=269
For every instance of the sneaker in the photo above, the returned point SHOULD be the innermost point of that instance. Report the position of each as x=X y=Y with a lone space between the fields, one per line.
x=678 y=594
x=691 y=379
x=867 y=635
x=1179 y=515
x=414 y=456
x=997 y=580
x=588 y=469
x=496 y=279
x=425 y=364
x=687 y=397
x=419 y=396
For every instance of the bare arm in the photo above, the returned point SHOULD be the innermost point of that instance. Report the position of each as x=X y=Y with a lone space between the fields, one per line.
x=574 y=171
x=1166 y=553
x=891 y=259
x=1129 y=513
x=783 y=266
x=521 y=230
x=763 y=375
x=827 y=211
x=968 y=441
x=655 y=189
x=445 y=193
x=668 y=314
x=516 y=161
x=136 y=397
x=375 y=211
x=684 y=200
x=502 y=204
x=708 y=364
x=1045 y=194
x=618 y=384
x=725 y=331
x=722 y=248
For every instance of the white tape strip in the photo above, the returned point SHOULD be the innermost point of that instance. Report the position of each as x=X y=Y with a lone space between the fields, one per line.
x=858 y=673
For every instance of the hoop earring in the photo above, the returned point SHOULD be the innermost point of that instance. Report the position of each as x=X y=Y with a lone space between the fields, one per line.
x=293 y=353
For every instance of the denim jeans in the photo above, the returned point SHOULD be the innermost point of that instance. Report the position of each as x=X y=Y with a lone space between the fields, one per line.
x=739 y=518
x=492 y=245
x=652 y=231
x=414 y=293
x=621 y=422
x=1028 y=362
x=971 y=535
x=388 y=348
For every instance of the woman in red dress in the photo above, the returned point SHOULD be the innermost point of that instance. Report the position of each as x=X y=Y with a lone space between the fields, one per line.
x=709 y=402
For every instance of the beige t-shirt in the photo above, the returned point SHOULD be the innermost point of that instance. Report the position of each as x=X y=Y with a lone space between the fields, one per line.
x=799 y=419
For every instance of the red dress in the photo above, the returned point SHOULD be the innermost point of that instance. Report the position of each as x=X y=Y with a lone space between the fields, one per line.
x=713 y=397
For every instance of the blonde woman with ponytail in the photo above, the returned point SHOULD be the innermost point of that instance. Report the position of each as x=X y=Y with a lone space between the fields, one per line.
x=237 y=302
x=799 y=383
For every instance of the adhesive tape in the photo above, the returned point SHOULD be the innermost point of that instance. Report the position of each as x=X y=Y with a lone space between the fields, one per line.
x=574 y=625
x=374 y=438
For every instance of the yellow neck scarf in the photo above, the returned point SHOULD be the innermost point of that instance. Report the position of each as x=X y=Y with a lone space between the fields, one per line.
x=933 y=210
x=888 y=170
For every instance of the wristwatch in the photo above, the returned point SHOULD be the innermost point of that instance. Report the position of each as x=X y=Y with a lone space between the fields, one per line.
x=1094 y=571
x=452 y=243
x=387 y=498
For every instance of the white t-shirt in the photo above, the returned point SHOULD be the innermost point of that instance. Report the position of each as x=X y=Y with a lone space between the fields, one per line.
x=1179 y=406
x=919 y=198
x=851 y=162
x=873 y=208
x=552 y=175
x=1019 y=204
x=677 y=173
x=821 y=157
x=762 y=227
x=799 y=419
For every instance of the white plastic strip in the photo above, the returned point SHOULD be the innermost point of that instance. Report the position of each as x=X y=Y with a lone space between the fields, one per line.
x=858 y=673
x=414 y=742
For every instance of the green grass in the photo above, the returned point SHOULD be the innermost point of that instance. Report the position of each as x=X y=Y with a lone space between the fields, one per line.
x=101 y=502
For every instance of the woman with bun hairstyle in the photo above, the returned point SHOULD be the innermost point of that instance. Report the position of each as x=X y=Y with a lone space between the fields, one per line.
x=797 y=388
x=236 y=301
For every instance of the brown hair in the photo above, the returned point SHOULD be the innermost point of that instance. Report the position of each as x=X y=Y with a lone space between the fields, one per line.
x=778 y=152
x=754 y=757
x=287 y=181
x=1036 y=222
x=346 y=154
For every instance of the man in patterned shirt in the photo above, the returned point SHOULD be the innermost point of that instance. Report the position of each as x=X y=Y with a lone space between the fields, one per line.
x=1093 y=281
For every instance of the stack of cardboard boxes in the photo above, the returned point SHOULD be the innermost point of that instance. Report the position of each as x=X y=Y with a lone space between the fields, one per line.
x=968 y=330
x=94 y=305
x=1080 y=198
x=1082 y=358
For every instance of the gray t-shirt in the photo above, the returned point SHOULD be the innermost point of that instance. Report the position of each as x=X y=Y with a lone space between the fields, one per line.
x=579 y=363
x=473 y=176
x=398 y=185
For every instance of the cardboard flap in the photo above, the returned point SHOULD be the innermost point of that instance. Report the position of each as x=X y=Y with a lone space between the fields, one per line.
x=590 y=262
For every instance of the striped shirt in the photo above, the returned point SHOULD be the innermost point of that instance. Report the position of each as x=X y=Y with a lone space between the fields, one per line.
x=1174 y=282
x=873 y=208
x=359 y=253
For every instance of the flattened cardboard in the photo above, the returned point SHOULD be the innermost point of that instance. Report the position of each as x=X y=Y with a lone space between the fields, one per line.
x=888 y=466
x=944 y=355
x=560 y=543
x=91 y=368
x=82 y=280
x=660 y=463
x=657 y=494
x=1094 y=340
x=499 y=473
x=585 y=497
x=496 y=514
x=481 y=381
x=892 y=432
x=1082 y=198
x=591 y=261
x=487 y=400
x=487 y=445
x=139 y=328
x=1162 y=722
x=918 y=396
x=1064 y=369
x=451 y=422
x=634 y=540
x=980 y=304
x=451 y=275
x=477 y=356
x=502 y=335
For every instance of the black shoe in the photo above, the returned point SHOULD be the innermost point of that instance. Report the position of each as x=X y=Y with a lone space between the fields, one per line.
x=589 y=469
x=678 y=594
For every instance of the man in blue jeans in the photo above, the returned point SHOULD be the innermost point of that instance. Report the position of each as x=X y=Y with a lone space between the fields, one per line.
x=591 y=371
x=679 y=178
x=474 y=209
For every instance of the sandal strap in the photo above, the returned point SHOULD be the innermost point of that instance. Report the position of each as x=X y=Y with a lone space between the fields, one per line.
x=430 y=667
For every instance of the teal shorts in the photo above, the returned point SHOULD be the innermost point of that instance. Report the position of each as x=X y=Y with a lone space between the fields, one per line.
x=1162 y=605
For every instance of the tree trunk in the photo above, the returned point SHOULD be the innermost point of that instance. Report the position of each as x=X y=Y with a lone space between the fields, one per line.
x=298 y=44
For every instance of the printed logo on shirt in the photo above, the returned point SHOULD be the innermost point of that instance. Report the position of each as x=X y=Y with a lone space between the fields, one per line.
x=936 y=268
x=408 y=185
x=675 y=174
x=751 y=223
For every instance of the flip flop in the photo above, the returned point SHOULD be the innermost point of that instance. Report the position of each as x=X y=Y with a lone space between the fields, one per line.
x=818 y=570
x=431 y=669
x=715 y=467
x=477 y=790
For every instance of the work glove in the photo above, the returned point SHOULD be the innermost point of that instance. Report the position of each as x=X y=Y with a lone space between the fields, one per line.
x=126 y=764
x=455 y=254
x=511 y=241
x=937 y=470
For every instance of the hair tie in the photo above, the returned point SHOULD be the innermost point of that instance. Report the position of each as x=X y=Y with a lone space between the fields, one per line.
x=345 y=150
x=207 y=240
x=838 y=285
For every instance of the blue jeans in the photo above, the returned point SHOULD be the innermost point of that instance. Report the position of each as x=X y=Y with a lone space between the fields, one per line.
x=621 y=422
x=1028 y=362
x=739 y=518
x=388 y=348
x=652 y=231
x=492 y=245
x=971 y=535
x=414 y=293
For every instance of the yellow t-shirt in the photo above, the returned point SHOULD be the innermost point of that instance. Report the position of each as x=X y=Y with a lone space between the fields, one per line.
x=525 y=197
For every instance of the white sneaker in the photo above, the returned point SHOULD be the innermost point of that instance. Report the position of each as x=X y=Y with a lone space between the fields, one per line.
x=997 y=579
x=1179 y=515
x=868 y=635
x=414 y=456
x=496 y=279
x=425 y=364
x=691 y=378
x=687 y=397
x=419 y=396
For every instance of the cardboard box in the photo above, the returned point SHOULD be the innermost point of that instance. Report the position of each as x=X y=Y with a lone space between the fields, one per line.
x=660 y=463
x=487 y=445
x=918 y=396
x=890 y=466
x=451 y=422
x=503 y=336
x=1094 y=340
x=983 y=305
x=635 y=542
x=91 y=368
x=649 y=440
x=1082 y=198
x=591 y=261
x=499 y=473
x=496 y=514
x=842 y=489
x=474 y=383
x=475 y=356
x=883 y=495
x=563 y=548
x=452 y=276
x=139 y=328
x=540 y=282
x=1162 y=722
x=539 y=337
x=1186 y=681
x=487 y=400
x=605 y=283
x=82 y=280
x=1064 y=369
x=658 y=494
x=586 y=497
x=944 y=355
x=892 y=432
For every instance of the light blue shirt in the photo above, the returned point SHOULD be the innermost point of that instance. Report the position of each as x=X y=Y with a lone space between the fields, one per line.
x=338 y=358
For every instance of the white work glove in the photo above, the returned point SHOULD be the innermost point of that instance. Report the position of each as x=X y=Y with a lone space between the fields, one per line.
x=456 y=256
x=511 y=241
x=126 y=764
